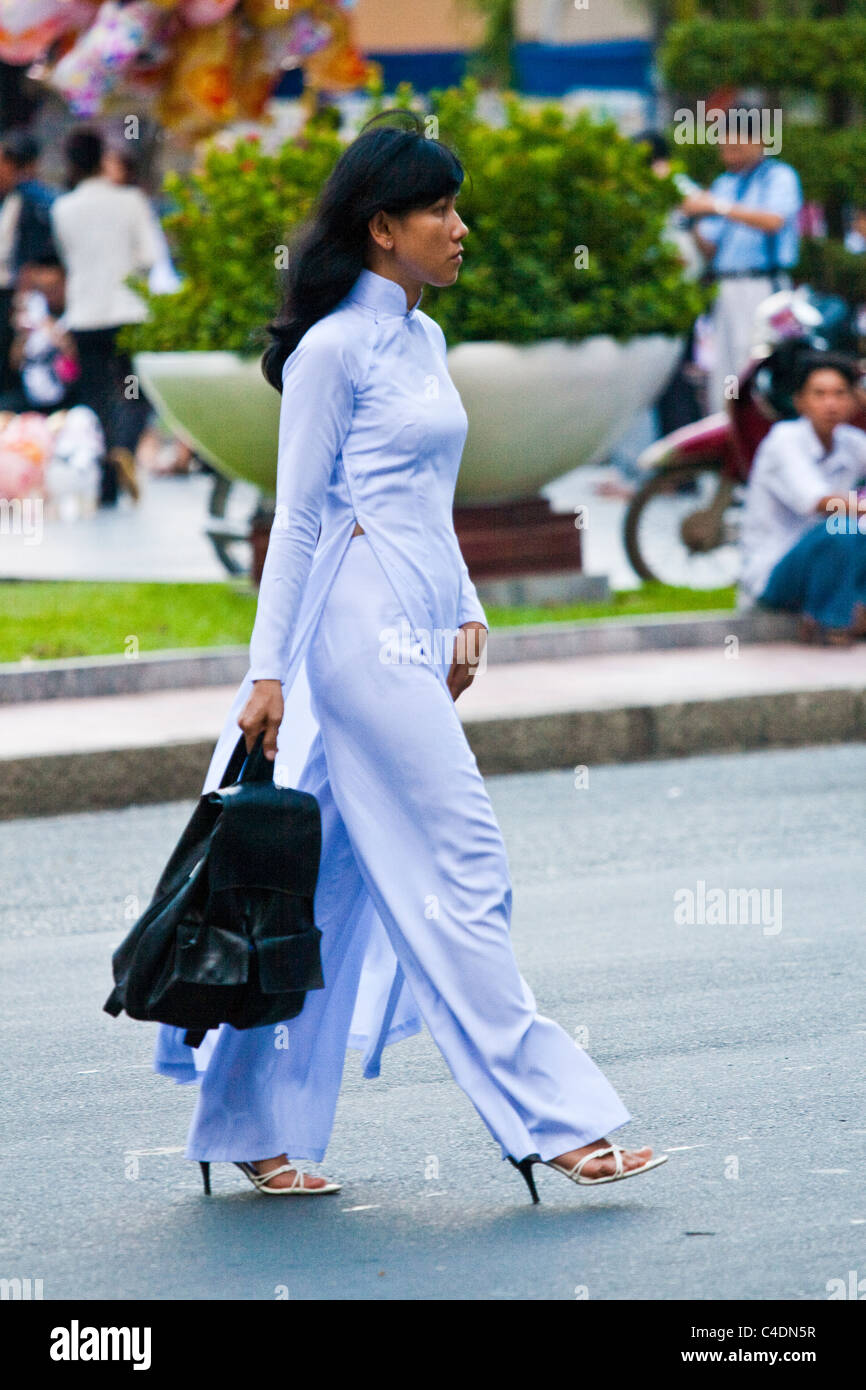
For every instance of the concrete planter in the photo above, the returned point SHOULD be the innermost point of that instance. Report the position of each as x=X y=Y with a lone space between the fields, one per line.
x=535 y=411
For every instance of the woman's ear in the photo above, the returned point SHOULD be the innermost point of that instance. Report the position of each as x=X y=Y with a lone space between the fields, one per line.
x=381 y=230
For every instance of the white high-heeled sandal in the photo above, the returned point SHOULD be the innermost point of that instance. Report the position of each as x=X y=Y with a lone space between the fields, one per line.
x=524 y=1167
x=620 y=1171
x=296 y=1188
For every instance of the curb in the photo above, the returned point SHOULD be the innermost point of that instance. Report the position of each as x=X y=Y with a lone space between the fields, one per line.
x=84 y=677
x=112 y=779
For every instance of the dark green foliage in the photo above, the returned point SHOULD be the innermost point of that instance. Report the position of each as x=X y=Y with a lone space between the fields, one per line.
x=228 y=222
x=537 y=189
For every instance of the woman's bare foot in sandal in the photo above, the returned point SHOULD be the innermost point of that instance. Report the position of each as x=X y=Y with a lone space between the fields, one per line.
x=601 y=1167
x=289 y=1179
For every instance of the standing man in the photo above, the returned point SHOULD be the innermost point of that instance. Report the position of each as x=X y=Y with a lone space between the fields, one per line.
x=748 y=233
x=104 y=233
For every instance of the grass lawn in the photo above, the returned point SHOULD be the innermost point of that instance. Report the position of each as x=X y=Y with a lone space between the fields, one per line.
x=46 y=620
x=623 y=603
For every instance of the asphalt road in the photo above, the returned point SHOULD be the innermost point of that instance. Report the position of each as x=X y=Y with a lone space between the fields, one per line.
x=738 y=1047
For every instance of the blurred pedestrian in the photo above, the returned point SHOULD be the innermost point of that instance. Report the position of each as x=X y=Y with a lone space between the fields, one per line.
x=122 y=166
x=678 y=403
x=42 y=353
x=104 y=233
x=25 y=232
x=748 y=231
x=27 y=151
x=156 y=452
x=802 y=546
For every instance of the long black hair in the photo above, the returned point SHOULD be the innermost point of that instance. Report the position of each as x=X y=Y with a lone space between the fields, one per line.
x=387 y=167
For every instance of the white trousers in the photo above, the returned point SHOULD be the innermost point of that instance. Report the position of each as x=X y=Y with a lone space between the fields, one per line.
x=733 y=333
x=406 y=816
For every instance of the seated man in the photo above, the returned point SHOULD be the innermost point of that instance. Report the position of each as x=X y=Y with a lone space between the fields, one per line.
x=802 y=547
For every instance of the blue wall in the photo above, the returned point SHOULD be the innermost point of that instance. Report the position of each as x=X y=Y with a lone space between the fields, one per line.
x=551 y=70
x=543 y=69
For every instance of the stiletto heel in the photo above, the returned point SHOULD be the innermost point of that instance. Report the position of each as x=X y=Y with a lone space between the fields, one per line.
x=524 y=1167
x=205 y=1173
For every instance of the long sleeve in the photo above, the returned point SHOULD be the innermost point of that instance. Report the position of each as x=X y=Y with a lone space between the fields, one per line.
x=791 y=476
x=145 y=249
x=470 y=610
x=315 y=416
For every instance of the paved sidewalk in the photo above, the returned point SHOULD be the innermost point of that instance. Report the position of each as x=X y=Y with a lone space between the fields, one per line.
x=162 y=538
x=120 y=750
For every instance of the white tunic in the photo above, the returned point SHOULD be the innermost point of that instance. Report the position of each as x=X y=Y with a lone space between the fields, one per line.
x=371 y=429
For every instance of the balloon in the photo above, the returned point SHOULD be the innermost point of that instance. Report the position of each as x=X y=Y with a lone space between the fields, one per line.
x=111 y=45
x=257 y=72
x=339 y=67
x=264 y=14
x=29 y=435
x=197 y=12
x=16 y=16
x=26 y=442
x=18 y=476
x=29 y=27
x=199 y=88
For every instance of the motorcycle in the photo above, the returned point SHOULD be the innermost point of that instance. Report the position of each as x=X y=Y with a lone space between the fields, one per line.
x=682 y=525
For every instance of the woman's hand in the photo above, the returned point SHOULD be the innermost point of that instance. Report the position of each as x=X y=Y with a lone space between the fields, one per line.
x=263 y=710
x=469 y=646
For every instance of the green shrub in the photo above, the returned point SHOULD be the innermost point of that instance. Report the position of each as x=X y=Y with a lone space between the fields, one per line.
x=228 y=220
x=538 y=188
x=810 y=54
x=828 y=266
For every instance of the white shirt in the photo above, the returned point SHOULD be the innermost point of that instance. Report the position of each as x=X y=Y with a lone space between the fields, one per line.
x=790 y=474
x=104 y=232
x=371 y=428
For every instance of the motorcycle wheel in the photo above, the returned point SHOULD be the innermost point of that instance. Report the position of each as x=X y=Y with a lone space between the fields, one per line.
x=682 y=527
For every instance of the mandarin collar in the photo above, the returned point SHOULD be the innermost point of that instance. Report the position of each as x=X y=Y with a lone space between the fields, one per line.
x=385 y=296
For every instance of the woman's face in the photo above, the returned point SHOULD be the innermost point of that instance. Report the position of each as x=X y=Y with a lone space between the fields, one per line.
x=428 y=242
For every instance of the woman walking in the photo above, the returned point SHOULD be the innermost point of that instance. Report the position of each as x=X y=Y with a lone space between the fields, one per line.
x=361 y=645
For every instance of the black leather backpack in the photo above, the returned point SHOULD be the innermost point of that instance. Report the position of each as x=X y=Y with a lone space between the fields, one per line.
x=229 y=935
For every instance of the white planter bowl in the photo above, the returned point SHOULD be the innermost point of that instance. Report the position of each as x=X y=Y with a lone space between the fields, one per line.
x=535 y=411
